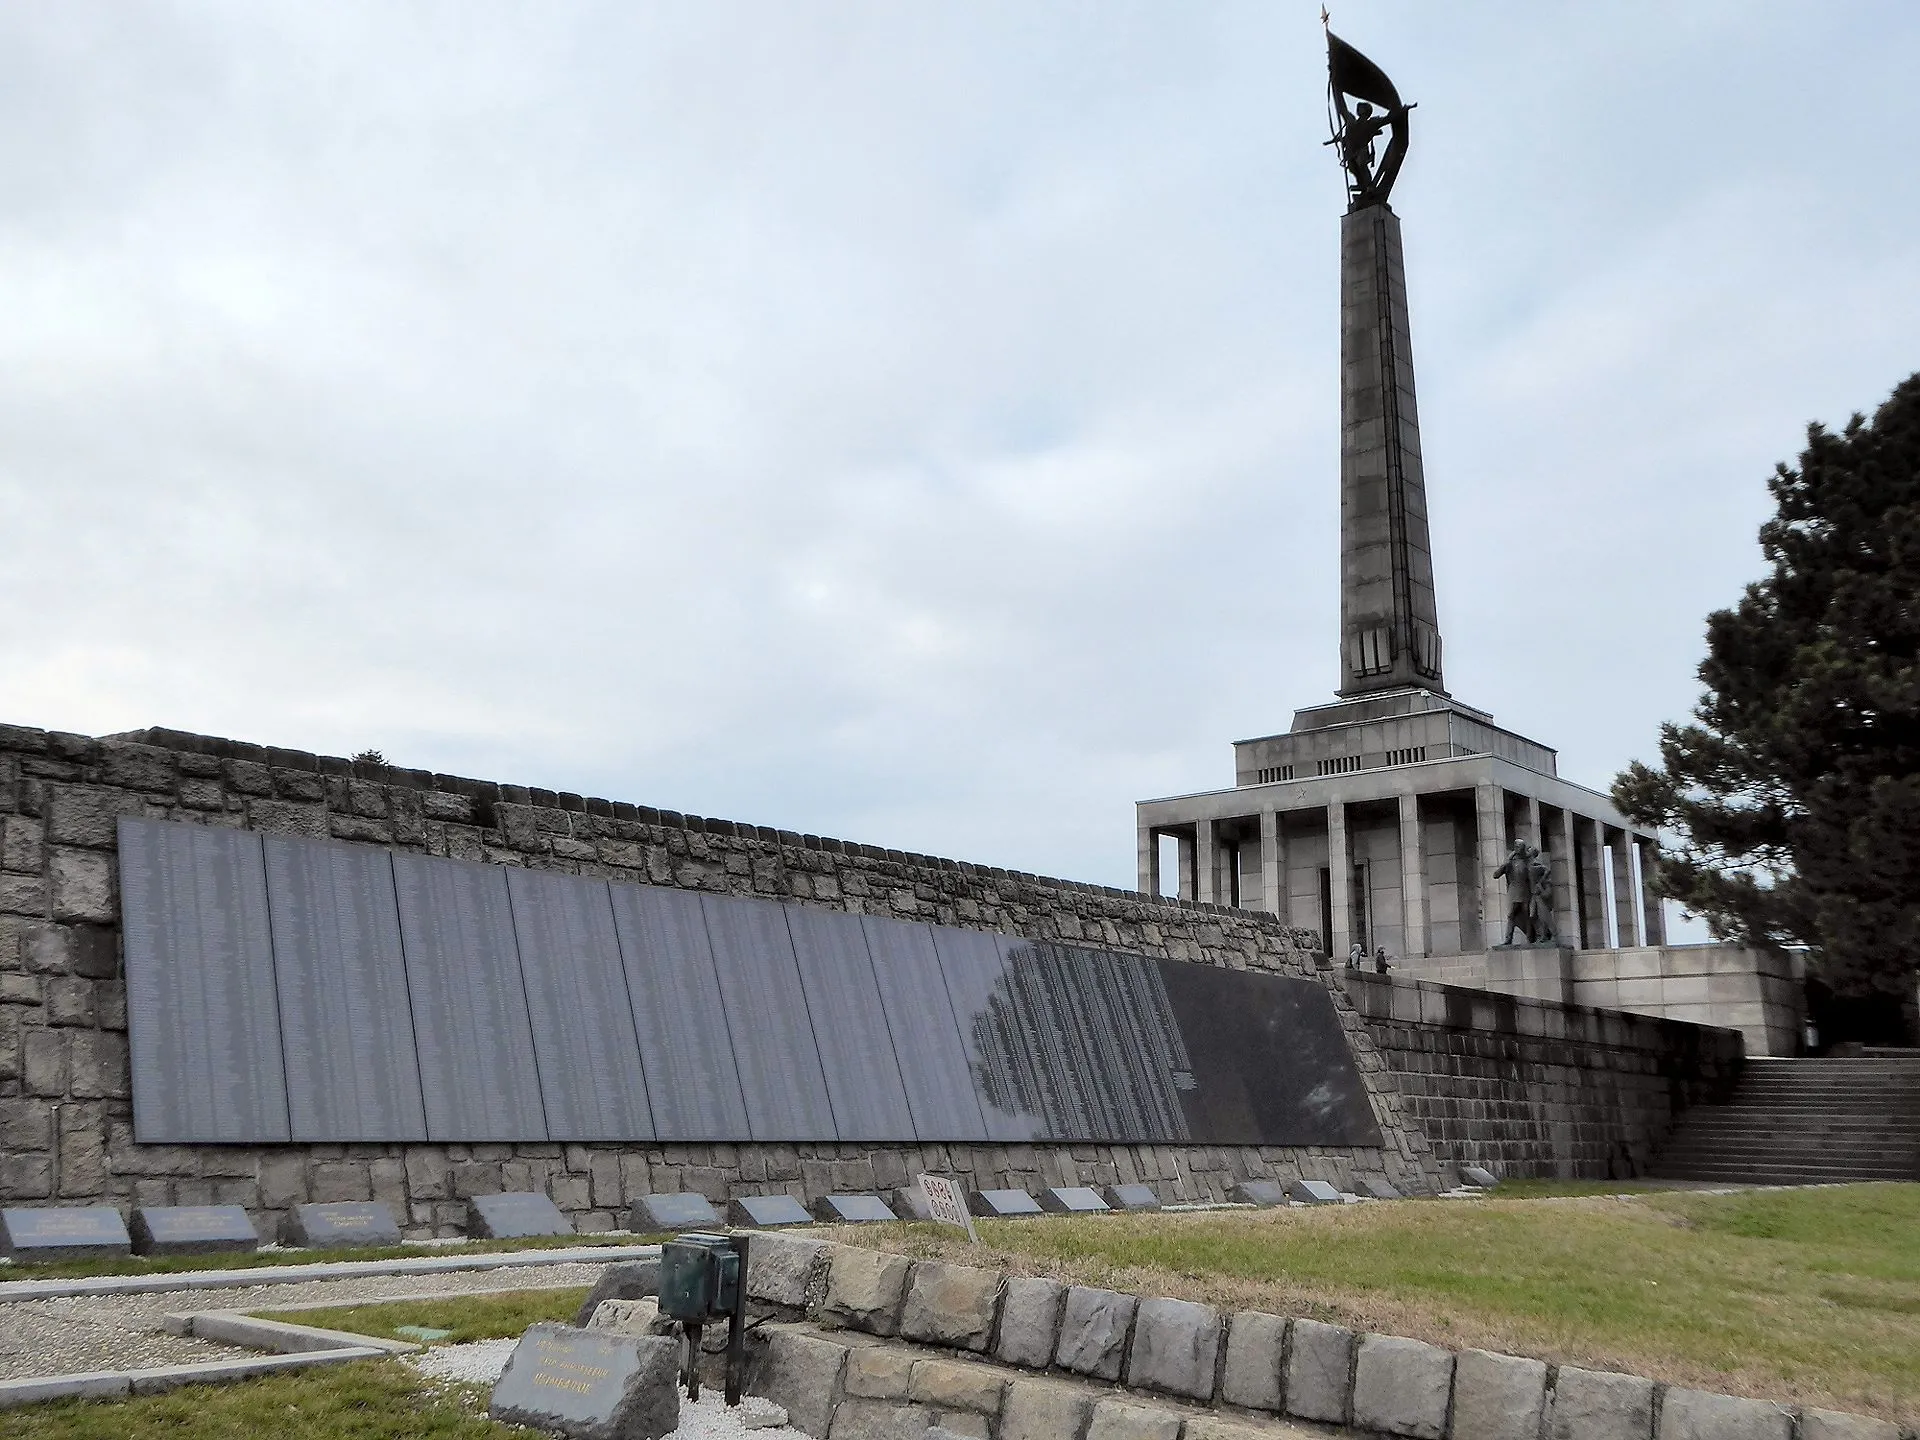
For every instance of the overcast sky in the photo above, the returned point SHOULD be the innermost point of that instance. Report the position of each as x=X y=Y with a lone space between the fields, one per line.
x=914 y=423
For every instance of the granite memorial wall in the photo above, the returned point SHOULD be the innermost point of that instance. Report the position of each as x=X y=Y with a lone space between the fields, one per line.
x=293 y=990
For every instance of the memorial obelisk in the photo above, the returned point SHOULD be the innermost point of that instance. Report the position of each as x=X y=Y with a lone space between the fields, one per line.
x=1389 y=627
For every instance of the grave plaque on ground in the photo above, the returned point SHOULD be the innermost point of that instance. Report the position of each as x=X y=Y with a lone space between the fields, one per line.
x=590 y=1384
x=1004 y=1204
x=1379 y=1189
x=514 y=1215
x=652 y=1214
x=192 y=1230
x=340 y=1223
x=909 y=1203
x=1073 y=1200
x=1258 y=1192
x=66 y=1232
x=764 y=1212
x=852 y=1209
x=1132 y=1197
x=1475 y=1175
x=1314 y=1192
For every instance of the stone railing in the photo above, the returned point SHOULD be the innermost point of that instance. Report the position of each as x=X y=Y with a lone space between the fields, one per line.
x=878 y=1344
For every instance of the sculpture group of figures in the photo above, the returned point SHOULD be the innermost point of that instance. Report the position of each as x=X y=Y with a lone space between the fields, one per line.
x=1358 y=129
x=1528 y=871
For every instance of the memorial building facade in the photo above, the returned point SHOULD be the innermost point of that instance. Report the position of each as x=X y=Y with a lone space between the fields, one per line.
x=1384 y=819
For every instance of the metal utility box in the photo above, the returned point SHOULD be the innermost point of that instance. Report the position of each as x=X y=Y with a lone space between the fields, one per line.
x=699 y=1277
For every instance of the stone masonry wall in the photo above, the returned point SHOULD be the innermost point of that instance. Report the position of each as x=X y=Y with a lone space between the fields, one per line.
x=66 y=1132
x=1537 y=1088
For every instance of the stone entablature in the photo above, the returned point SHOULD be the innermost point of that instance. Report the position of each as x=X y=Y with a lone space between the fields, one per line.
x=65 y=1113
x=1403 y=727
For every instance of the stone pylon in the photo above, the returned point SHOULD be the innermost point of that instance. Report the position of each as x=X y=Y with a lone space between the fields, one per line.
x=1389 y=627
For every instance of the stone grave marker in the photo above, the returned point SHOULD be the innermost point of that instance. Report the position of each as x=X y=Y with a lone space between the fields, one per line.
x=590 y=1384
x=193 y=1230
x=515 y=1214
x=766 y=1212
x=1132 y=1197
x=853 y=1209
x=1073 y=1200
x=651 y=1214
x=1314 y=1192
x=64 y=1232
x=1477 y=1176
x=1258 y=1192
x=1004 y=1204
x=946 y=1205
x=1379 y=1189
x=340 y=1223
x=909 y=1203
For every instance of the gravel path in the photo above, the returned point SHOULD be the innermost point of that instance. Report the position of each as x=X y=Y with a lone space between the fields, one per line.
x=65 y=1337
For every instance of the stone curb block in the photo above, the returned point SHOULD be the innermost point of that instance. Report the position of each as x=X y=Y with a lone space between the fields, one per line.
x=118 y=1384
x=1402 y=1387
x=13 y=1292
x=232 y=1327
x=93 y=1384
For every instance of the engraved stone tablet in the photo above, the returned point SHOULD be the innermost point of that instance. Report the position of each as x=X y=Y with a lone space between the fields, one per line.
x=1132 y=1197
x=852 y=1209
x=590 y=1384
x=515 y=1214
x=1314 y=1192
x=651 y=1214
x=945 y=1204
x=342 y=1222
x=1475 y=1175
x=1378 y=1189
x=1073 y=1200
x=766 y=1211
x=192 y=1230
x=67 y=1232
x=1003 y=1204
x=1258 y=1192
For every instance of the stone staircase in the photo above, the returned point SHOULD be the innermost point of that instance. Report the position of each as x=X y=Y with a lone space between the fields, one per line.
x=1804 y=1122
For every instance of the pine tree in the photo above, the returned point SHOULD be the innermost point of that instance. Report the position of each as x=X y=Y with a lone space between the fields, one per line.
x=1795 y=794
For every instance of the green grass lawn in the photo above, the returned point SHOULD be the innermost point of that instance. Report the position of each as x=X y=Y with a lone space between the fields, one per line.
x=1808 y=1295
x=172 y=1264
x=367 y=1400
x=467 y=1317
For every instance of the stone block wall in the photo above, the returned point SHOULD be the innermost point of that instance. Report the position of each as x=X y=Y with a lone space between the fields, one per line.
x=66 y=1132
x=1531 y=1087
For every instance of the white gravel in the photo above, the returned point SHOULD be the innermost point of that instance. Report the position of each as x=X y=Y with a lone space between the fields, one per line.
x=481 y=1362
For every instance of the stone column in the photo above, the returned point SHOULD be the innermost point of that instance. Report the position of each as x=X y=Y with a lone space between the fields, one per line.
x=1273 y=863
x=1389 y=627
x=1413 y=878
x=1340 y=886
x=1206 y=863
x=1490 y=824
x=1566 y=881
x=1532 y=822
x=1189 y=871
x=1650 y=902
x=1148 y=860
x=1593 y=883
x=1625 y=927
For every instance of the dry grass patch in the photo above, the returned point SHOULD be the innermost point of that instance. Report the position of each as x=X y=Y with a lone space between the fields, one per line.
x=1807 y=1296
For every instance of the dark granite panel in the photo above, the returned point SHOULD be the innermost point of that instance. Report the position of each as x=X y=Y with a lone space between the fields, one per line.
x=926 y=1037
x=515 y=1215
x=478 y=1073
x=766 y=1212
x=766 y=1013
x=202 y=1017
x=692 y=1083
x=346 y=1021
x=864 y=1087
x=193 y=1230
x=583 y=1035
x=63 y=1232
x=1273 y=1066
x=1005 y=1082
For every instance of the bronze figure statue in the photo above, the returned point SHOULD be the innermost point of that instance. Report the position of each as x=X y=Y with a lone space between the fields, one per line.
x=1517 y=871
x=1357 y=129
